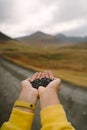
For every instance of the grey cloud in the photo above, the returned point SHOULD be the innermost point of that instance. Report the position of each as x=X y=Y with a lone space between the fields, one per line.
x=67 y=10
x=34 y=15
x=48 y=2
x=6 y=10
x=82 y=31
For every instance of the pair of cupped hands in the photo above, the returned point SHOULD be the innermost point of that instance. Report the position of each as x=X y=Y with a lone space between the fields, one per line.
x=31 y=94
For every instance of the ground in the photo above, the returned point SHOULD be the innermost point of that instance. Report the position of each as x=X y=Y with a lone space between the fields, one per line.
x=69 y=62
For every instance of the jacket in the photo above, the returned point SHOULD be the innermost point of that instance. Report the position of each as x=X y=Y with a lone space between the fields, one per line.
x=52 y=118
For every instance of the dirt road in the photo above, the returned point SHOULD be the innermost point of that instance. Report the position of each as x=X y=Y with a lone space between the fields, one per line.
x=73 y=98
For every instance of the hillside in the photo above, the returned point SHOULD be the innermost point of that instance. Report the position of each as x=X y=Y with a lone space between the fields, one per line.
x=81 y=46
x=40 y=37
x=69 y=62
x=71 y=39
x=4 y=37
x=6 y=40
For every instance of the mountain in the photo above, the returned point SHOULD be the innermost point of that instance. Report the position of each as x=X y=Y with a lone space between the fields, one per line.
x=40 y=37
x=72 y=39
x=4 y=37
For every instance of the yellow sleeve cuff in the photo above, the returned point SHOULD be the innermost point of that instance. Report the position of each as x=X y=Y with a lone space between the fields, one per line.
x=24 y=105
x=54 y=117
x=48 y=114
x=21 y=119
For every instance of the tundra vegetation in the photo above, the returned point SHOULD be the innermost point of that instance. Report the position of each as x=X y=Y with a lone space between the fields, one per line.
x=69 y=62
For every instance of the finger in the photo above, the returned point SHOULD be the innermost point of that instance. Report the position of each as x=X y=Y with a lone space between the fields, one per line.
x=40 y=90
x=51 y=76
x=34 y=76
x=39 y=75
x=56 y=78
x=43 y=75
x=29 y=79
x=46 y=74
x=25 y=83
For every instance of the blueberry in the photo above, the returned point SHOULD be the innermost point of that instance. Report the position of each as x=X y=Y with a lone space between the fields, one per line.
x=41 y=82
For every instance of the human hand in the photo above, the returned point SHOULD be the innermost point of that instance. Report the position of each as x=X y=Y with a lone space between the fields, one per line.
x=50 y=92
x=28 y=93
x=53 y=85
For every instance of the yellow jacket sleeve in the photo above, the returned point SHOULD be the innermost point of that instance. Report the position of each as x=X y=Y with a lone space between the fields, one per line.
x=54 y=118
x=19 y=120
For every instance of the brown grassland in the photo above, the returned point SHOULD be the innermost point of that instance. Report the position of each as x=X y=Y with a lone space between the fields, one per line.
x=67 y=62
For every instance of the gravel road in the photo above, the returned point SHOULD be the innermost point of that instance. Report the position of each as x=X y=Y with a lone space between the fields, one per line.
x=73 y=98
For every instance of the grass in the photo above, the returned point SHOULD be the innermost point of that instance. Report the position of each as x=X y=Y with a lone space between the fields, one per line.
x=68 y=63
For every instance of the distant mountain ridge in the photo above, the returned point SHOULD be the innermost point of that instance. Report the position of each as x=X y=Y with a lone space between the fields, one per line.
x=47 y=38
x=72 y=39
x=40 y=37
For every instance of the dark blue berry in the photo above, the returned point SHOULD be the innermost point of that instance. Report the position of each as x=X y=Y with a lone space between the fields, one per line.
x=41 y=82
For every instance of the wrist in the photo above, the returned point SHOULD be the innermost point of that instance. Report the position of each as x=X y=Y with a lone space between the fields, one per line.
x=25 y=106
x=45 y=96
x=25 y=109
x=48 y=93
x=31 y=97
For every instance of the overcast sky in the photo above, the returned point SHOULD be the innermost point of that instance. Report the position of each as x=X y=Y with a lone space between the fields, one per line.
x=23 y=17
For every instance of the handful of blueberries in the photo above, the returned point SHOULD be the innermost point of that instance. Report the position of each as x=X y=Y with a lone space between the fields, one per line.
x=41 y=82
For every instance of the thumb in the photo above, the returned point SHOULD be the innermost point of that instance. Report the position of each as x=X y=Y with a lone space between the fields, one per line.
x=25 y=84
x=41 y=89
x=55 y=84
